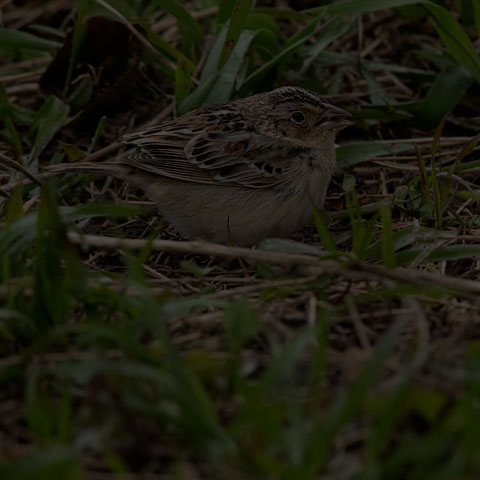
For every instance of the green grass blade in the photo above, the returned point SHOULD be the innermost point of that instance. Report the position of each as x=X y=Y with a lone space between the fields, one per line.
x=440 y=254
x=238 y=21
x=424 y=178
x=191 y=34
x=437 y=136
x=225 y=11
x=468 y=147
x=223 y=87
x=330 y=31
x=211 y=65
x=170 y=52
x=98 y=133
x=294 y=42
x=51 y=462
x=357 y=152
x=476 y=6
x=241 y=324
x=346 y=403
x=73 y=152
x=363 y=6
x=455 y=38
x=78 y=37
x=199 y=96
x=51 y=117
x=15 y=206
x=437 y=200
x=410 y=236
x=183 y=82
x=444 y=95
x=388 y=250
x=15 y=39
x=322 y=231
x=378 y=95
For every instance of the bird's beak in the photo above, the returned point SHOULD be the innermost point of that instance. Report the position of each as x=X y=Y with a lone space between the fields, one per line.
x=334 y=118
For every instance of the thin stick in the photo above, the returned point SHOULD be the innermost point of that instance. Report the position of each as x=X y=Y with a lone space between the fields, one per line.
x=312 y=264
x=202 y=248
x=102 y=152
x=20 y=168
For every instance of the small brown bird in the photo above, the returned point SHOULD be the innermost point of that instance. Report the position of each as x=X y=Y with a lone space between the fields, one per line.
x=235 y=172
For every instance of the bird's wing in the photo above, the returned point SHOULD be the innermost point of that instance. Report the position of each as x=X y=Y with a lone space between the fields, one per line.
x=197 y=149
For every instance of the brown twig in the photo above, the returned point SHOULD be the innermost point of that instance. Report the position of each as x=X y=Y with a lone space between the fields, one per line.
x=19 y=168
x=311 y=264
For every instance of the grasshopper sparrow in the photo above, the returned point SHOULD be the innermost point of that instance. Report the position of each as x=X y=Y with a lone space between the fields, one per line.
x=240 y=171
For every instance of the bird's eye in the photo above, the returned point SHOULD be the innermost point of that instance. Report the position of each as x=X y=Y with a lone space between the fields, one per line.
x=298 y=117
